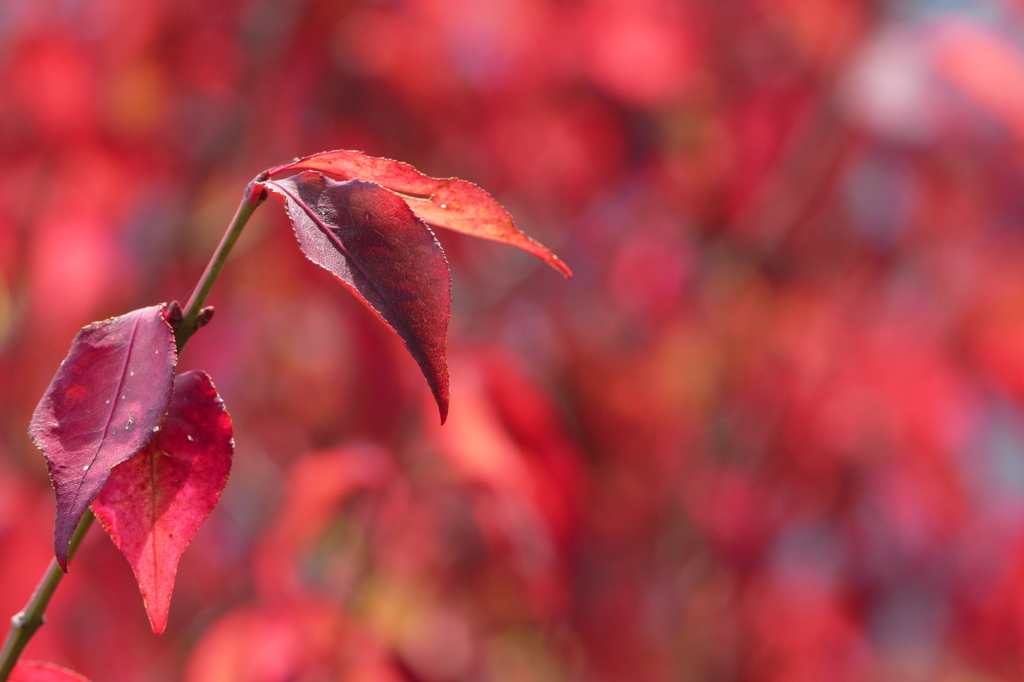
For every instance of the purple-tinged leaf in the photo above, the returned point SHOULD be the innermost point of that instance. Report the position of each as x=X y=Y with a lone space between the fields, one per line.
x=155 y=502
x=101 y=407
x=373 y=243
x=450 y=203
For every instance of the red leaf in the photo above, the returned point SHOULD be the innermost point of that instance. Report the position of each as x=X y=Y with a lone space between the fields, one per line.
x=370 y=240
x=32 y=671
x=444 y=202
x=101 y=407
x=153 y=504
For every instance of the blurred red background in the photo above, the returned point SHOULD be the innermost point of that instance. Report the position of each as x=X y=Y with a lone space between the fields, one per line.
x=771 y=431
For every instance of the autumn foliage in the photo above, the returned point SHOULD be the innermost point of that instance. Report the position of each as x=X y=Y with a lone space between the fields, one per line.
x=770 y=431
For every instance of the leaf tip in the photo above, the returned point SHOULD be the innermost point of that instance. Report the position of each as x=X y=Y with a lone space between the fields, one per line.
x=60 y=553
x=68 y=525
x=157 y=619
x=63 y=533
x=559 y=264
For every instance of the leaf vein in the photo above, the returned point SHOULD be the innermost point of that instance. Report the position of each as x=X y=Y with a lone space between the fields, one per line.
x=113 y=408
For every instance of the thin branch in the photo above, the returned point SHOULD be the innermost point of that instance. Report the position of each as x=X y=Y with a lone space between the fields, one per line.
x=25 y=623
x=194 y=315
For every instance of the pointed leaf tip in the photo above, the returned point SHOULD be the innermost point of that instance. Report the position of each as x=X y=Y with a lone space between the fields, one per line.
x=109 y=393
x=370 y=240
x=450 y=203
x=153 y=504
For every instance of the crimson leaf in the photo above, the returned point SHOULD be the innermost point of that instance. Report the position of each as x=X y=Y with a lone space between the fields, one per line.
x=35 y=671
x=443 y=202
x=155 y=502
x=102 y=406
x=373 y=243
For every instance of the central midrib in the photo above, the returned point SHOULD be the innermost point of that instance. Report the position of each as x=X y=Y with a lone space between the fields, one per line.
x=334 y=239
x=113 y=408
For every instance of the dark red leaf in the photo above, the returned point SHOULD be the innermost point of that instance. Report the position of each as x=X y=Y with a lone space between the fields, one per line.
x=34 y=671
x=444 y=202
x=371 y=241
x=155 y=502
x=102 y=406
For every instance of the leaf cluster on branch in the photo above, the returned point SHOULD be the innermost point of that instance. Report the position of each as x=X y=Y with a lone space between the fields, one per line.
x=148 y=451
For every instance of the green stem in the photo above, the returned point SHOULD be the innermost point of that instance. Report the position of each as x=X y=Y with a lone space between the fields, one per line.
x=25 y=623
x=192 y=317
